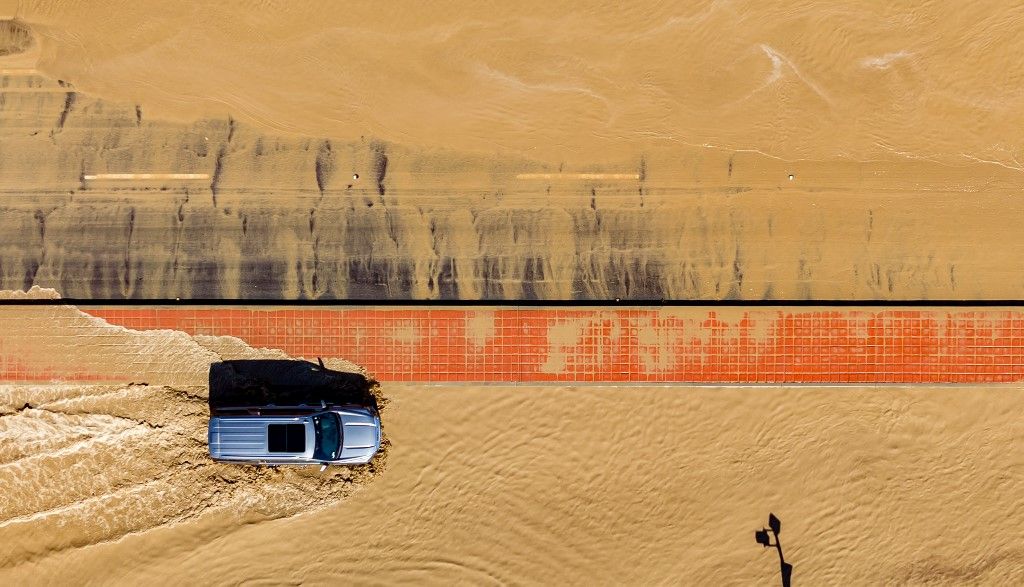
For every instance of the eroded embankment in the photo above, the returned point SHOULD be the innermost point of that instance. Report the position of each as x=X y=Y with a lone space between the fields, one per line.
x=15 y=38
x=84 y=464
x=260 y=216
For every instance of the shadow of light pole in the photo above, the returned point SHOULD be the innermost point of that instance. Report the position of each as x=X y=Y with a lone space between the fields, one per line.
x=762 y=537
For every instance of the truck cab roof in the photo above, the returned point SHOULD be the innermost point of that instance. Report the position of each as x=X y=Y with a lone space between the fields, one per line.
x=337 y=435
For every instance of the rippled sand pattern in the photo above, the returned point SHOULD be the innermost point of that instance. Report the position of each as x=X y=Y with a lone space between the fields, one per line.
x=86 y=465
x=578 y=485
x=269 y=149
x=82 y=465
x=585 y=82
x=103 y=203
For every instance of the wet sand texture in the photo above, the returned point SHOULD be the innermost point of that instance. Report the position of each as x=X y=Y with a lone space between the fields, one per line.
x=282 y=217
x=577 y=485
x=411 y=156
x=15 y=38
x=582 y=486
x=590 y=82
x=901 y=129
x=82 y=465
x=63 y=340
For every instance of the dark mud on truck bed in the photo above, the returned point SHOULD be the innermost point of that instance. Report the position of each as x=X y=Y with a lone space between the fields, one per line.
x=244 y=384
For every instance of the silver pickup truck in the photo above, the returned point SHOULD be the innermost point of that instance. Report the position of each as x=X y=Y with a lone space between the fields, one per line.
x=345 y=435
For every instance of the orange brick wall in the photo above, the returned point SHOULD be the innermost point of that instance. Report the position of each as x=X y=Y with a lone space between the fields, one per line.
x=628 y=345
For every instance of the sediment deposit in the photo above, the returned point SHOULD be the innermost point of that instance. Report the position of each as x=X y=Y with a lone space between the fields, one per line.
x=584 y=485
x=506 y=151
x=300 y=218
x=102 y=199
x=82 y=465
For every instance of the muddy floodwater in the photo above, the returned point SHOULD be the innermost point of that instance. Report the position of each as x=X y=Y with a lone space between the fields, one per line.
x=711 y=150
x=111 y=482
x=707 y=152
x=532 y=484
x=90 y=210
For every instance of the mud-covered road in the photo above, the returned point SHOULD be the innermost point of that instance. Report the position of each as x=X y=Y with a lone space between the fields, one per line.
x=102 y=462
x=498 y=484
x=84 y=464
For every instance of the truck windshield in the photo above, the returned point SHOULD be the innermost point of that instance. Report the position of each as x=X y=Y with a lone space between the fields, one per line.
x=327 y=429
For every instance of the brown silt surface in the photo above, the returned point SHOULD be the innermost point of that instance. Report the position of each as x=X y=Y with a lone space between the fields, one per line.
x=529 y=151
x=203 y=156
x=538 y=484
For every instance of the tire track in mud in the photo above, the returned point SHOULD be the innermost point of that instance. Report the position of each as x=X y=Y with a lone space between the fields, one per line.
x=82 y=465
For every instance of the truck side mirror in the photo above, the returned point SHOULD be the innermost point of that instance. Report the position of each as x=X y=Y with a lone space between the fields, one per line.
x=321 y=361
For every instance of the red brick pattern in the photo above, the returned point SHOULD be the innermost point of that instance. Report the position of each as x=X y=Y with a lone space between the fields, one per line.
x=14 y=370
x=628 y=345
